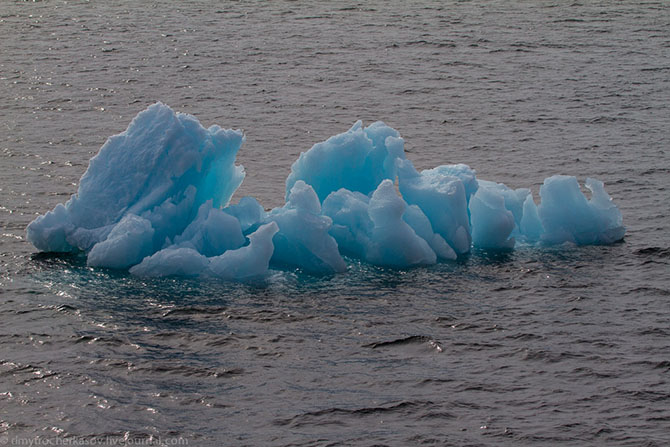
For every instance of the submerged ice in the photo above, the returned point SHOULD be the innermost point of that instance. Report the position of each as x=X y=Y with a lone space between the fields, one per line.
x=155 y=200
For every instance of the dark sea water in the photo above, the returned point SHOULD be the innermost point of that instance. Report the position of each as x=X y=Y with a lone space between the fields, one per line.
x=541 y=346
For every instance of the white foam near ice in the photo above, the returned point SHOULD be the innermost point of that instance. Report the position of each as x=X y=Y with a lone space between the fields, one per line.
x=155 y=200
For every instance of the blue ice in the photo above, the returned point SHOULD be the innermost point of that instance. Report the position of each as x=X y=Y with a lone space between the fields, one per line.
x=245 y=263
x=303 y=239
x=155 y=201
x=357 y=160
x=148 y=181
x=382 y=229
x=441 y=194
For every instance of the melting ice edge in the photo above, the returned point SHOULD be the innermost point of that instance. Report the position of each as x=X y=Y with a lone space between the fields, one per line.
x=155 y=200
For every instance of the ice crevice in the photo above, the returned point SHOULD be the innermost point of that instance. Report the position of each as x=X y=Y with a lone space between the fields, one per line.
x=156 y=200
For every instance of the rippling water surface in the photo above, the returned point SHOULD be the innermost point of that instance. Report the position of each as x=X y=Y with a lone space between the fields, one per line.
x=540 y=346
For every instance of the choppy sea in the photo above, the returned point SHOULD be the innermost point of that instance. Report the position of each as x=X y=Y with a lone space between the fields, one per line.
x=541 y=346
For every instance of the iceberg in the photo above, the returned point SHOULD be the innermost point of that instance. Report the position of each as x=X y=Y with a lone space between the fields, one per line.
x=393 y=241
x=126 y=245
x=442 y=197
x=500 y=215
x=154 y=193
x=211 y=232
x=496 y=212
x=568 y=216
x=303 y=239
x=382 y=228
x=351 y=224
x=161 y=169
x=155 y=201
x=357 y=160
x=244 y=263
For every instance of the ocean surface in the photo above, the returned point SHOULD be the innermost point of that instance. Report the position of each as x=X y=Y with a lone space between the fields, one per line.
x=540 y=346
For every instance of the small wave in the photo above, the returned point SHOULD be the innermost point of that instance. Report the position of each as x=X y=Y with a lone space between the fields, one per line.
x=569 y=20
x=25 y=373
x=194 y=310
x=411 y=340
x=645 y=395
x=431 y=44
x=548 y=356
x=188 y=371
x=659 y=252
x=66 y=308
x=525 y=336
x=661 y=332
x=89 y=339
x=649 y=291
x=655 y=69
x=653 y=364
x=331 y=414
